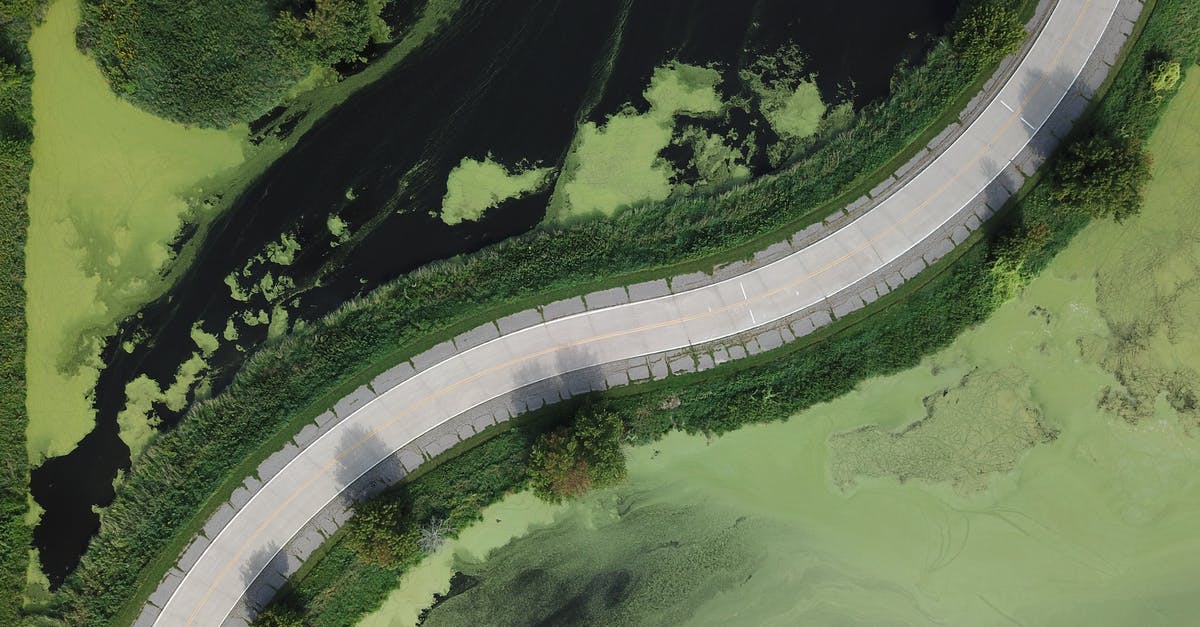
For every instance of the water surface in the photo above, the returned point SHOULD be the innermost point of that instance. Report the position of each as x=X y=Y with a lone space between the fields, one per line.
x=1043 y=469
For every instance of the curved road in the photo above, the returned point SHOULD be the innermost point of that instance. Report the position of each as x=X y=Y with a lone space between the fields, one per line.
x=250 y=540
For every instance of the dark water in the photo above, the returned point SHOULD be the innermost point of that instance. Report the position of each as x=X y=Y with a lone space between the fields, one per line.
x=511 y=78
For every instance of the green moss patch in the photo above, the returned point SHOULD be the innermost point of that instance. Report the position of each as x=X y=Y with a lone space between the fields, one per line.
x=474 y=186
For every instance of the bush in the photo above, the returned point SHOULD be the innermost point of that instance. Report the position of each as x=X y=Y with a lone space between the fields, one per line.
x=988 y=33
x=281 y=615
x=331 y=31
x=1102 y=176
x=381 y=532
x=218 y=62
x=566 y=463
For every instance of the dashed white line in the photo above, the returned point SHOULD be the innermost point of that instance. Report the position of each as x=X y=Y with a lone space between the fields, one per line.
x=1031 y=127
x=748 y=308
x=1010 y=109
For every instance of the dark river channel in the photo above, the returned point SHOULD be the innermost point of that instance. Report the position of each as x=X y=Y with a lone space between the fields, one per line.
x=510 y=78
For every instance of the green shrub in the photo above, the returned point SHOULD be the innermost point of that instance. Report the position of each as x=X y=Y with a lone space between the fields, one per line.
x=569 y=461
x=328 y=32
x=219 y=62
x=988 y=33
x=383 y=533
x=1164 y=76
x=1102 y=176
x=280 y=615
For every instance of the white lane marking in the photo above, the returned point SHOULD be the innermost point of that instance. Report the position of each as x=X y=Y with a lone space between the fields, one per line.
x=1010 y=109
x=747 y=298
x=1031 y=127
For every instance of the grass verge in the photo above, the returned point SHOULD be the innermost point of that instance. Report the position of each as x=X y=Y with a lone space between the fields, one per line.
x=16 y=134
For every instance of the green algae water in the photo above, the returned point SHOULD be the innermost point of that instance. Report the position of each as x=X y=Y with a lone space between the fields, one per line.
x=1044 y=469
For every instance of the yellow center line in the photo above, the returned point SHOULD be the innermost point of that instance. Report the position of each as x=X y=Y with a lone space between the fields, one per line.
x=324 y=470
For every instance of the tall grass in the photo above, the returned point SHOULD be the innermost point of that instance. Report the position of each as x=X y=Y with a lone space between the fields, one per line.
x=16 y=122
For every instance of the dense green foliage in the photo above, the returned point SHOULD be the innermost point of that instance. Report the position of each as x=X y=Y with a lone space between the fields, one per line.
x=444 y=499
x=16 y=122
x=988 y=33
x=908 y=327
x=571 y=460
x=1102 y=176
x=182 y=468
x=219 y=62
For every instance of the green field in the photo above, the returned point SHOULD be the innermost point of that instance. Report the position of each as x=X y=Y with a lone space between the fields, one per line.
x=1092 y=525
x=110 y=189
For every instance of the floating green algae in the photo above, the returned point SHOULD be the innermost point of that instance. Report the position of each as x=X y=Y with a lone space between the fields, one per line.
x=107 y=197
x=338 y=228
x=788 y=97
x=474 y=186
x=717 y=164
x=616 y=164
x=137 y=419
x=1095 y=526
x=972 y=431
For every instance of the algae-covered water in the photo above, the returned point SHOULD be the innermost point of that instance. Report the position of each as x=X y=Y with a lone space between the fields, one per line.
x=1044 y=469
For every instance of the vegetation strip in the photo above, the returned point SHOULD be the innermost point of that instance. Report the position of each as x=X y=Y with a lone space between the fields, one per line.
x=16 y=134
x=182 y=468
x=342 y=585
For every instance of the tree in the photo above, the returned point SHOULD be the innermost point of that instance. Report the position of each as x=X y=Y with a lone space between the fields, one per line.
x=1102 y=176
x=382 y=533
x=568 y=462
x=556 y=470
x=987 y=34
x=330 y=31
